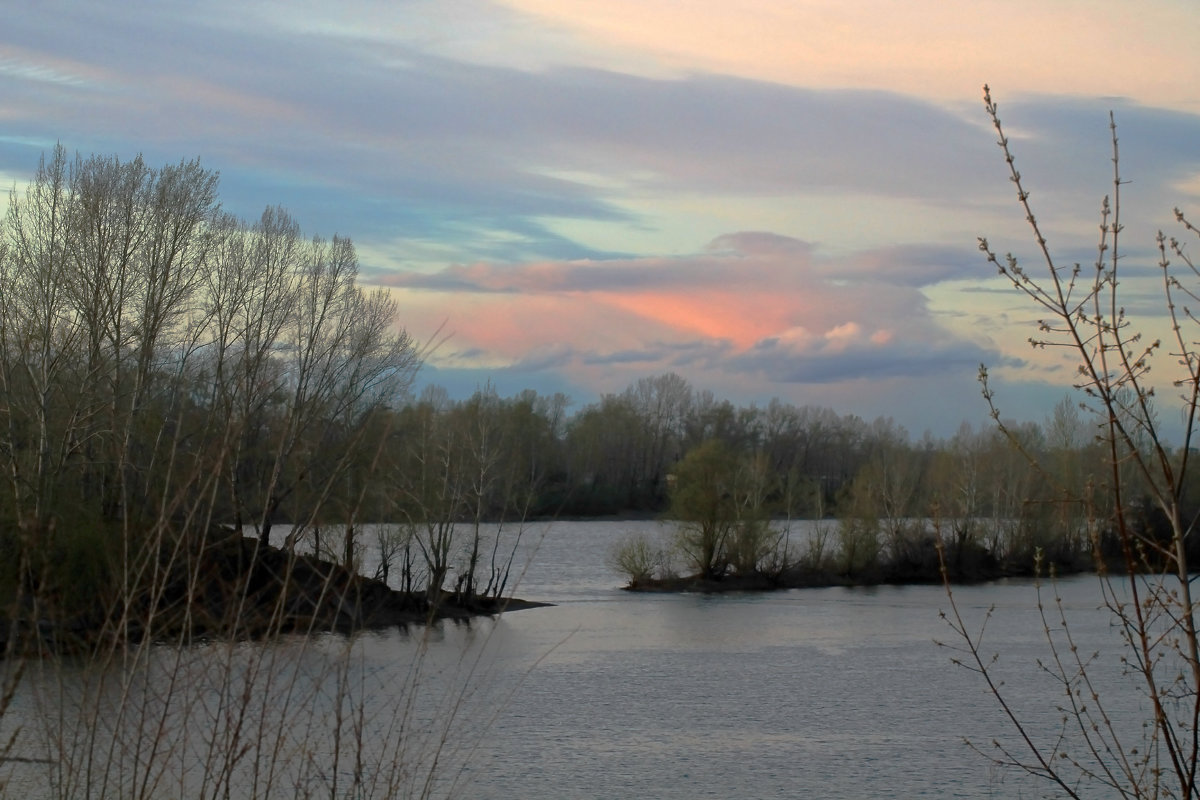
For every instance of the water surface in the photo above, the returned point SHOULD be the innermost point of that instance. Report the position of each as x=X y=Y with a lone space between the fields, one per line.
x=834 y=693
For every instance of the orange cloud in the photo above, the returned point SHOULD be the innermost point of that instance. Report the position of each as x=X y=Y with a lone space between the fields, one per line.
x=740 y=317
x=502 y=328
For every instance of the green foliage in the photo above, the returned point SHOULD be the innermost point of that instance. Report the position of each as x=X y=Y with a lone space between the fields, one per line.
x=719 y=502
x=636 y=557
x=858 y=537
x=704 y=503
x=754 y=547
x=67 y=572
x=238 y=374
x=82 y=567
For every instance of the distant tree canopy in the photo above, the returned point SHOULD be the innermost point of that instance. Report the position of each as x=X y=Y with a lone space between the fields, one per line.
x=661 y=447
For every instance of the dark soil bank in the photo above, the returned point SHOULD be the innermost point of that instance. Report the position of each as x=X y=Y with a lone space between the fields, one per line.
x=239 y=588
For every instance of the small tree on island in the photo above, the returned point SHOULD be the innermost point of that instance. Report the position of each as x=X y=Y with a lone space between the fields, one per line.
x=1143 y=478
x=719 y=502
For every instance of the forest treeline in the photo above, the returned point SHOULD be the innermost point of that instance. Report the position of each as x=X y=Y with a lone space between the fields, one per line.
x=169 y=371
x=1031 y=487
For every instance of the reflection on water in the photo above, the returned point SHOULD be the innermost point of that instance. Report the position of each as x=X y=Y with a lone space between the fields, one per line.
x=837 y=693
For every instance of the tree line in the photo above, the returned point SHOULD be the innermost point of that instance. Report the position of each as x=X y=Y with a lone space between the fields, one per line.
x=661 y=447
x=167 y=368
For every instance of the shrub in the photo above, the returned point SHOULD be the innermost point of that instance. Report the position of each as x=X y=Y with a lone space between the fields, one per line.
x=636 y=557
x=859 y=539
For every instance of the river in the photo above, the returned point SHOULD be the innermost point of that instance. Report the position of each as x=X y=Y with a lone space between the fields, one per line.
x=833 y=693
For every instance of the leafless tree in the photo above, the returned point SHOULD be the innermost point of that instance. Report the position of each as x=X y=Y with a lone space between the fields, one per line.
x=1150 y=598
x=167 y=369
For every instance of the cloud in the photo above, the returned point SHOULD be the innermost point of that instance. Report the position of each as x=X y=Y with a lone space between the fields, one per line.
x=760 y=243
x=750 y=303
x=18 y=68
x=368 y=122
x=649 y=356
x=921 y=47
x=543 y=177
x=851 y=353
x=767 y=260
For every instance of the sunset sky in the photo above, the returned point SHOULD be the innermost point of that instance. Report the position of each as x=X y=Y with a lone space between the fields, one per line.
x=772 y=198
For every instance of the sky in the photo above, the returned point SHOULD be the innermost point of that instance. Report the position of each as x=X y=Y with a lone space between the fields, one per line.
x=771 y=198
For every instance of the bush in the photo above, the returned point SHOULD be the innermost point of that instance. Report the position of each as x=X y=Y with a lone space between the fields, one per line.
x=859 y=539
x=636 y=557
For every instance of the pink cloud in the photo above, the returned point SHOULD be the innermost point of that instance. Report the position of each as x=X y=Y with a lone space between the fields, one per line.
x=741 y=317
x=846 y=332
x=750 y=303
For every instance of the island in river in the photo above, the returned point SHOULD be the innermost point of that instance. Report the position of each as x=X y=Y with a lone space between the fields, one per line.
x=238 y=587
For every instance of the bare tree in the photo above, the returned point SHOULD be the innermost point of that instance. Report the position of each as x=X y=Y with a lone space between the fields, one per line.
x=1151 y=597
x=432 y=487
x=252 y=295
x=166 y=369
x=41 y=333
x=661 y=404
